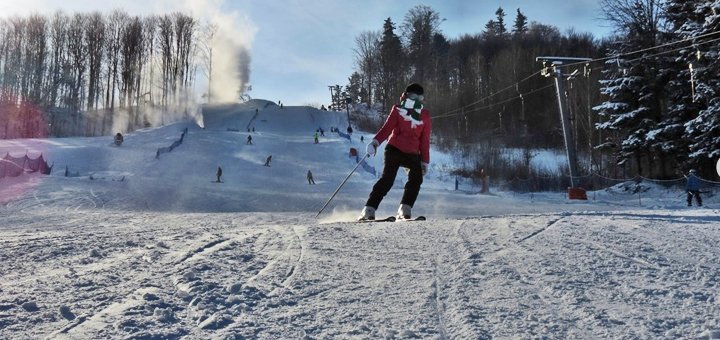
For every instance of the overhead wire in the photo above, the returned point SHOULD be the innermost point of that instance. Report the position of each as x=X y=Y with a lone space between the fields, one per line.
x=515 y=85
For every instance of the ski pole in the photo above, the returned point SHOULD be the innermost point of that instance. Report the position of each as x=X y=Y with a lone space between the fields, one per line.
x=341 y=185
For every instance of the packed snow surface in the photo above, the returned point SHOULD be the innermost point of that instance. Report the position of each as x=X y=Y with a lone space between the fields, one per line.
x=141 y=247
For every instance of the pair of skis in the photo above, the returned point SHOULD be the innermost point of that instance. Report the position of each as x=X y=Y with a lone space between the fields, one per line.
x=394 y=219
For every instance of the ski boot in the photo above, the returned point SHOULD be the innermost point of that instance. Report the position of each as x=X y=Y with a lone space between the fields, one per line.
x=367 y=214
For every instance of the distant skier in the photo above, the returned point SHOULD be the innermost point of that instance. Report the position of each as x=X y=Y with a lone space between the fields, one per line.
x=483 y=181
x=249 y=140
x=693 y=188
x=362 y=139
x=218 y=174
x=267 y=160
x=408 y=128
x=316 y=138
x=322 y=132
x=119 y=139
x=310 y=178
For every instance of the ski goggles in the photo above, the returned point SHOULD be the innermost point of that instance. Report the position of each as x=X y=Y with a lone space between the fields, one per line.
x=414 y=96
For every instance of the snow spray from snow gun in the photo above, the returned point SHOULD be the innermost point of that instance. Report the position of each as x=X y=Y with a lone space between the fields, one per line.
x=341 y=184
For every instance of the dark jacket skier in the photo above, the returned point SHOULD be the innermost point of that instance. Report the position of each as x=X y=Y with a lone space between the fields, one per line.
x=218 y=174
x=310 y=178
x=119 y=139
x=693 y=188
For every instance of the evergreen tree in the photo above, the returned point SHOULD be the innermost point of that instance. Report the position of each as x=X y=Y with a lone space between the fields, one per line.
x=419 y=26
x=634 y=87
x=392 y=70
x=500 y=24
x=696 y=99
x=520 y=26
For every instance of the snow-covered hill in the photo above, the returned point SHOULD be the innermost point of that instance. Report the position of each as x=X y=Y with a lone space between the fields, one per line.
x=142 y=247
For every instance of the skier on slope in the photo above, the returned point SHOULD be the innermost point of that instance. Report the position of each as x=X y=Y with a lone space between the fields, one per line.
x=408 y=129
x=693 y=188
x=310 y=177
x=119 y=139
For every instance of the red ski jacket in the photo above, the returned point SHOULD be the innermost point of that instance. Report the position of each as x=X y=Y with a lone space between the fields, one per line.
x=407 y=135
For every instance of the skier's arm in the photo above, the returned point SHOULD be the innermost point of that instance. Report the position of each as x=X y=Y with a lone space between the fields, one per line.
x=425 y=138
x=387 y=128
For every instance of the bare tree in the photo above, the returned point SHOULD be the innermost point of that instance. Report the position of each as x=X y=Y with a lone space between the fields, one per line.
x=205 y=49
x=367 y=50
x=95 y=34
x=115 y=26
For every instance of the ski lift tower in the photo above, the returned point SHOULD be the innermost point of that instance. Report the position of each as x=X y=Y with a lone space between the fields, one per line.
x=557 y=63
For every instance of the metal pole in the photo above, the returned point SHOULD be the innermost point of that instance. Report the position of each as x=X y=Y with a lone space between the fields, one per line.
x=341 y=185
x=347 y=108
x=567 y=128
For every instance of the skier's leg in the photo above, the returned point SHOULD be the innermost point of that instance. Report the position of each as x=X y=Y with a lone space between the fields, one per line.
x=689 y=198
x=383 y=185
x=697 y=198
x=415 y=179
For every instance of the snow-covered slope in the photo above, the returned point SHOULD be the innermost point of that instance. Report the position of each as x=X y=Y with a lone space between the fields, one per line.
x=146 y=248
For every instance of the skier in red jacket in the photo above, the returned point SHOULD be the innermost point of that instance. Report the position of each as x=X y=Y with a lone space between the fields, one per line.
x=408 y=129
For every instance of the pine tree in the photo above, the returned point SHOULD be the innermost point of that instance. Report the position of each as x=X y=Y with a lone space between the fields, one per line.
x=697 y=98
x=634 y=86
x=520 y=26
x=392 y=71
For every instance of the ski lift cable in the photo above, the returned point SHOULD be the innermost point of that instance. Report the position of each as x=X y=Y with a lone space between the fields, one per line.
x=513 y=86
x=450 y=114
x=517 y=84
x=617 y=56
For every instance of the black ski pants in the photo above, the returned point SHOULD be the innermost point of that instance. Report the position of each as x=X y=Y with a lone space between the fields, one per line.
x=696 y=193
x=394 y=159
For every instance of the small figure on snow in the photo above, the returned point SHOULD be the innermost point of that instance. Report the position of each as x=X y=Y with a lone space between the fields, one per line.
x=693 y=188
x=218 y=174
x=310 y=178
x=118 y=139
x=316 y=138
x=267 y=160
x=362 y=139
x=483 y=181
x=249 y=140
x=408 y=127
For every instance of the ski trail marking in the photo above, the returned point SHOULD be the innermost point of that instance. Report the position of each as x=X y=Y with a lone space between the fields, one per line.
x=619 y=254
x=536 y=232
x=291 y=272
x=201 y=249
x=438 y=305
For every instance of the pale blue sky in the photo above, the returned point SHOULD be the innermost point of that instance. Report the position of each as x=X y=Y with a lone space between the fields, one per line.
x=300 y=47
